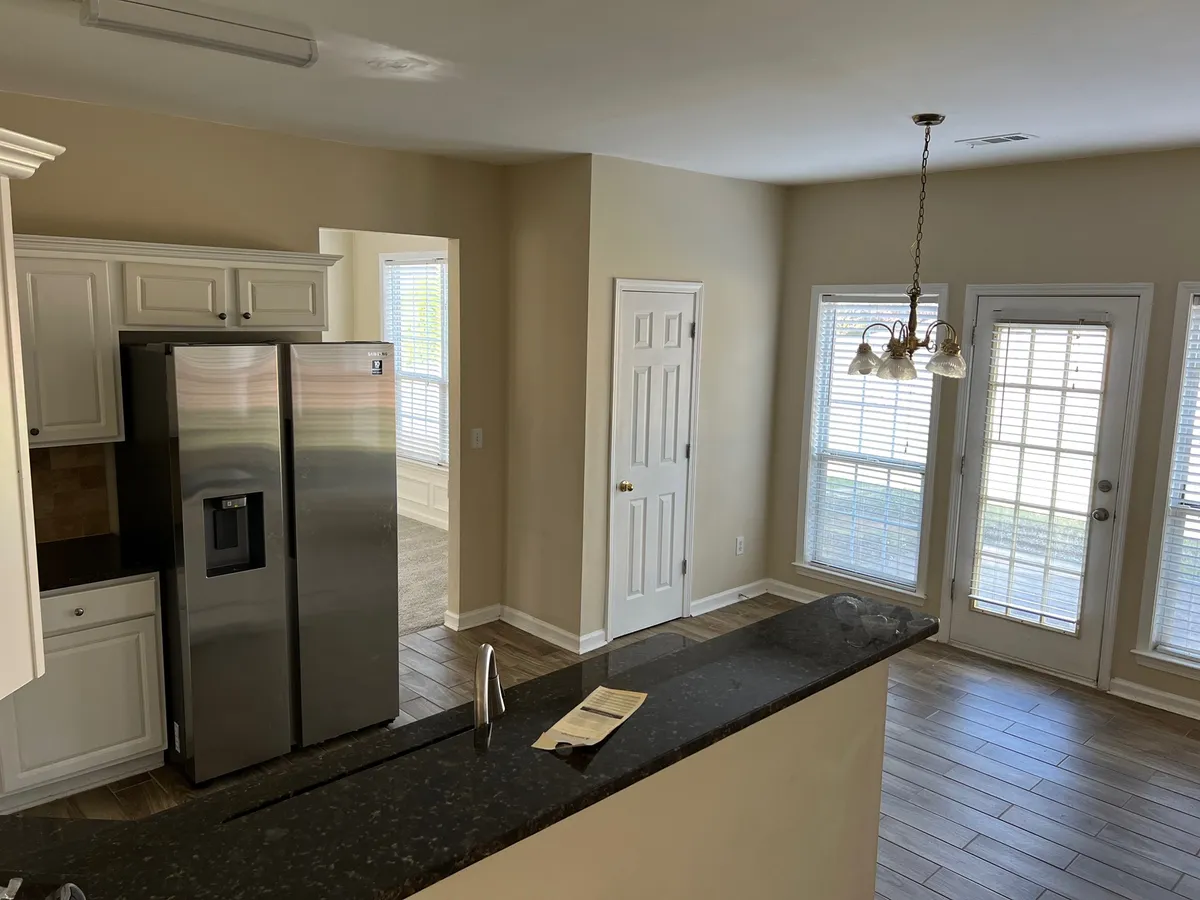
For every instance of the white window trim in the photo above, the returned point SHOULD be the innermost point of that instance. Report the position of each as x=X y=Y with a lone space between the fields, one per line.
x=917 y=595
x=1142 y=651
x=418 y=256
x=1143 y=293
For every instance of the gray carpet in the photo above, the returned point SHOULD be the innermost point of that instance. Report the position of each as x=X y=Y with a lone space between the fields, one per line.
x=424 y=560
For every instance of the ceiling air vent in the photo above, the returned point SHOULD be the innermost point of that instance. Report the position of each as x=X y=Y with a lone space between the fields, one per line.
x=1012 y=138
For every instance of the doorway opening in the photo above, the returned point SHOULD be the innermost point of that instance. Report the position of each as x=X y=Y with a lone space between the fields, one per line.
x=396 y=288
x=1047 y=419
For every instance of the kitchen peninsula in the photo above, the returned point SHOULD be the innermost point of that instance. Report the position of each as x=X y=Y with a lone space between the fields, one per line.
x=753 y=768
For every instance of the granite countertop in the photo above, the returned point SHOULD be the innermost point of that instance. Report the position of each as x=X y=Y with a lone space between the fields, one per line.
x=83 y=561
x=395 y=814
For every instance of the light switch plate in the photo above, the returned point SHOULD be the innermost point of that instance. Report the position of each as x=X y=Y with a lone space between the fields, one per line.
x=739 y=545
x=476 y=438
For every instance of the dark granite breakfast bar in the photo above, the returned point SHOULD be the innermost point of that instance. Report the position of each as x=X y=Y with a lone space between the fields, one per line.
x=393 y=815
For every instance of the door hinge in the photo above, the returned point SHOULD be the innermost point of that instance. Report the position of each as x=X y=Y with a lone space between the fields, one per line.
x=687 y=451
x=685 y=567
x=951 y=589
x=693 y=329
x=974 y=328
x=962 y=465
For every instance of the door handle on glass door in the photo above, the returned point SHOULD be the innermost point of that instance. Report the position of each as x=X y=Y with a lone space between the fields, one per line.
x=1100 y=515
x=625 y=487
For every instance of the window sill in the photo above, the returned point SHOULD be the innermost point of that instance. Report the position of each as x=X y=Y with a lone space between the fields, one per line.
x=1164 y=662
x=851 y=583
x=422 y=464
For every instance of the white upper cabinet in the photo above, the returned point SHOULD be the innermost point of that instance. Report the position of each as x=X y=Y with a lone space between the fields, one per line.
x=21 y=654
x=69 y=345
x=169 y=287
x=281 y=298
x=175 y=296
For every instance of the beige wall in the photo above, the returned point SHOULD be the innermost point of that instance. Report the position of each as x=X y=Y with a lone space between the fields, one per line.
x=368 y=247
x=551 y=204
x=339 y=291
x=659 y=223
x=1132 y=218
x=145 y=177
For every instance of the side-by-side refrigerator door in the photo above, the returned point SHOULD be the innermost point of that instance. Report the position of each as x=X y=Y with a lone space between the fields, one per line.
x=343 y=466
x=238 y=674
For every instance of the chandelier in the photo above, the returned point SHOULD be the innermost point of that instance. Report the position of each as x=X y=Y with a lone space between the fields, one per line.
x=897 y=362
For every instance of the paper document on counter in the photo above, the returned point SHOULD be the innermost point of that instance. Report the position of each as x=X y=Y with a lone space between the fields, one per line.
x=592 y=720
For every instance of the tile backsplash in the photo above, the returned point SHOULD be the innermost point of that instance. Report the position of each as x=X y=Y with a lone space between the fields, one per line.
x=70 y=491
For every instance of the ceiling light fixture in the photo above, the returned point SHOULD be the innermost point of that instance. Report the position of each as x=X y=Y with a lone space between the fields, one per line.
x=411 y=66
x=897 y=363
x=205 y=25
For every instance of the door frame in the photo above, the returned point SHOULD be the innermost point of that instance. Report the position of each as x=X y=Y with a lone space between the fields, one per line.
x=696 y=289
x=1143 y=294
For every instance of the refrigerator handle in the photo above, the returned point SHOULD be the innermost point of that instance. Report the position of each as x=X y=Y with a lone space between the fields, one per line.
x=289 y=484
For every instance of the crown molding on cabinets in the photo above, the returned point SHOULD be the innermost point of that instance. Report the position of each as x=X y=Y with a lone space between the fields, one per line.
x=20 y=155
x=32 y=244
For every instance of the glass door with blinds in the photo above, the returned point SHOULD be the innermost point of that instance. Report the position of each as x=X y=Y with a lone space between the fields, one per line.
x=1049 y=389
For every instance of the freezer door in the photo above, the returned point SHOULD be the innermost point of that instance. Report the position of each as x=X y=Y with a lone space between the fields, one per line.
x=343 y=474
x=233 y=603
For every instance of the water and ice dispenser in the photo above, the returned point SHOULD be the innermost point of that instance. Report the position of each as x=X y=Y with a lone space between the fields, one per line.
x=233 y=534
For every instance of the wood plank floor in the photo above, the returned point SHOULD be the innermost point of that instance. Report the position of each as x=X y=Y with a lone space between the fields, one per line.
x=997 y=783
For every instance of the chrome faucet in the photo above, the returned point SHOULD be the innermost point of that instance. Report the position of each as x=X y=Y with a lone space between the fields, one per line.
x=489 y=695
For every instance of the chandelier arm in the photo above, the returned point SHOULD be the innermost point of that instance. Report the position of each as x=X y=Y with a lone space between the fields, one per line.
x=890 y=329
x=951 y=331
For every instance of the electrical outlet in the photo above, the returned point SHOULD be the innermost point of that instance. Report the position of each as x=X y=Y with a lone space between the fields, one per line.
x=739 y=545
x=476 y=438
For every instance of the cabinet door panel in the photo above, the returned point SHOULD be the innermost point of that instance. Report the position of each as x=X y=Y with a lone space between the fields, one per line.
x=281 y=298
x=98 y=703
x=70 y=351
x=170 y=296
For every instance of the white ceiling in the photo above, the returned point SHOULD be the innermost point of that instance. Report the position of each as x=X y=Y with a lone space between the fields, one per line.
x=776 y=90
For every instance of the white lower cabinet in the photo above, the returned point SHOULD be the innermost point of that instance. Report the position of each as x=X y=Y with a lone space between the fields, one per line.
x=99 y=705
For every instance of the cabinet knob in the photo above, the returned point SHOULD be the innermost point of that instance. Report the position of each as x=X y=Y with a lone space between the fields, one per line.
x=245 y=315
x=222 y=316
x=78 y=611
x=35 y=431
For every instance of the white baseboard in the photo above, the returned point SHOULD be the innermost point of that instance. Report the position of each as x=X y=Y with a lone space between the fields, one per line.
x=44 y=793
x=725 y=598
x=436 y=519
x=790 y=591
x=753 y=589
x=552 y=634
x=593 y=640
x=1138 y=693
x=472 y=617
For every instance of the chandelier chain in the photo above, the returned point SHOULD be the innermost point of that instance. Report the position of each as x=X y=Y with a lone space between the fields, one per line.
x=916 y=285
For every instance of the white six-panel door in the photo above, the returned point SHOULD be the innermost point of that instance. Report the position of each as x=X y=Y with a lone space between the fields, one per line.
x=652 y=412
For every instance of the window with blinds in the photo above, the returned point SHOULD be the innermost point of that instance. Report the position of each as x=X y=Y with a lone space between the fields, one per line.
x=1177 y=600
x=416 y=320
x=868 y=450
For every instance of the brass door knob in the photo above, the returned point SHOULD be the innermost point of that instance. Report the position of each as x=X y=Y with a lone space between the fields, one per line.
x=625 y=487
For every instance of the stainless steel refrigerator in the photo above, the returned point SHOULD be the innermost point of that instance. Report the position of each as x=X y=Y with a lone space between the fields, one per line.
x=261 y=479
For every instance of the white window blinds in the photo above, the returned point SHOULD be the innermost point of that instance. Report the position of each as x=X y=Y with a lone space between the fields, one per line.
x=415 y=320
x=1177 y=601
x=868 y=450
